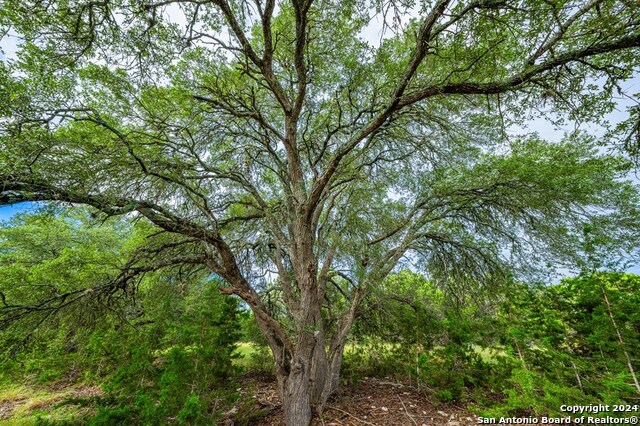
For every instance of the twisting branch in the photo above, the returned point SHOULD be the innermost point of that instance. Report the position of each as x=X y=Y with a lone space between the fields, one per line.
x=526 y=75
x=421 y=50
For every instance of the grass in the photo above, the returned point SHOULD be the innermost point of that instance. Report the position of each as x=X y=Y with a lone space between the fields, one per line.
x=27 y=405
x=489 y=355
x=245 y=351
x=31 y=404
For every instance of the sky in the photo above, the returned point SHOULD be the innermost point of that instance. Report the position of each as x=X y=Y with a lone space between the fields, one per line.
x=7 y=212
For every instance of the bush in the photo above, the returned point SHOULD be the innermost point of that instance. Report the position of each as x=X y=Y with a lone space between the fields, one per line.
x=183 y=366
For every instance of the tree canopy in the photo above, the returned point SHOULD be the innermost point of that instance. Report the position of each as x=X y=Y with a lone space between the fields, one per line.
x=269 y=139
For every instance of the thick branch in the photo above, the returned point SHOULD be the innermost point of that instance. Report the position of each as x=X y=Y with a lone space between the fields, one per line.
x=521 y=78
x=422 y=46
x=466 y=88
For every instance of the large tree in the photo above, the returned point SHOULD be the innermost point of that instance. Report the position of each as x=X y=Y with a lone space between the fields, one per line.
x=270 y=142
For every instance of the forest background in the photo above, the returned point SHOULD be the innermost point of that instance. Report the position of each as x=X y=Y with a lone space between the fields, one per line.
x=178 y=352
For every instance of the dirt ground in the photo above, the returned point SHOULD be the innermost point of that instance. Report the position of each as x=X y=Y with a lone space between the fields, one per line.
x=371 y=402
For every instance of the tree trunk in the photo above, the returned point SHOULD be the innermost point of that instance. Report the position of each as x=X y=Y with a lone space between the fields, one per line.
x=296 y=394
x=306 y=380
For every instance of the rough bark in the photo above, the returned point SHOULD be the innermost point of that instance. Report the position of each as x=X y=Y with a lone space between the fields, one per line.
x=308 y=372
x=306 y=382
x=295 y=389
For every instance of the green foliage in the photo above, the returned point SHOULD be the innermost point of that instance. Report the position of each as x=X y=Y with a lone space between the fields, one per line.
x=61 y=256
x=248 y=139
x=530 y=393
x=191 y=412
x=163 y=349
x=564 y=340
x=427 y=335
x=255 y=353
x=528 y=352
x=183 y=363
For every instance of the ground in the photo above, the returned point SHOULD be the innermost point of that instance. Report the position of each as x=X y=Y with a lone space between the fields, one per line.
x=372 y=401
x=22 y=405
